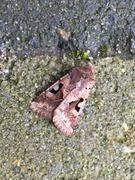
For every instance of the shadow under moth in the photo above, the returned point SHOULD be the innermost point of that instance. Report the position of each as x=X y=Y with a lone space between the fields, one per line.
x=64 y=101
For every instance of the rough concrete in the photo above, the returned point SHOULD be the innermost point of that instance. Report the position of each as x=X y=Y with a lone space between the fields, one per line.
x=103 y=143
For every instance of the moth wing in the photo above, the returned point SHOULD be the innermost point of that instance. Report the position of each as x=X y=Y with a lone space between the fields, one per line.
x=66 y=114
x=45 y=104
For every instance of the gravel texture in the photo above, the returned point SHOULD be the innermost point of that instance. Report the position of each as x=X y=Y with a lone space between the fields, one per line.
x=28 y=28
x=103 y=143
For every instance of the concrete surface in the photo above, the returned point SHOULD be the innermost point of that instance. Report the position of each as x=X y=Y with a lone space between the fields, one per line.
x=103 y=143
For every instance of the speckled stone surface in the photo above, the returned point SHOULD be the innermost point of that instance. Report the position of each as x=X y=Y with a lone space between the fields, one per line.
x=103 y=143
x=28 y=28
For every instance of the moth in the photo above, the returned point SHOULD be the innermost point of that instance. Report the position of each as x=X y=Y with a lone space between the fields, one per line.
x=64 y=101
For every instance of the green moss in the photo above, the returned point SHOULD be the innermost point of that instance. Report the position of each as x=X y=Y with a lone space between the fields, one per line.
x=104 y=50
x=79 y=54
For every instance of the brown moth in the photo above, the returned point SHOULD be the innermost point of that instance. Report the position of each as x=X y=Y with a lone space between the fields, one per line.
x=64 y=101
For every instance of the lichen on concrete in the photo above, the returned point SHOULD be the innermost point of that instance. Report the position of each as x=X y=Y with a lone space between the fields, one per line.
x=32 y=148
